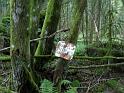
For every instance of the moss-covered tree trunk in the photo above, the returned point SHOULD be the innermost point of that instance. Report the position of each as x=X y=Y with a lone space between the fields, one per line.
x=49 y=27
x=20 y=46
x=79 y=6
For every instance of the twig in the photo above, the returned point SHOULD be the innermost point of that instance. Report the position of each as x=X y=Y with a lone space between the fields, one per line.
x=88 y=87
x=102 y=80
x=97 y=82
x=63 y=30
x=75 y=57
x=4 y=49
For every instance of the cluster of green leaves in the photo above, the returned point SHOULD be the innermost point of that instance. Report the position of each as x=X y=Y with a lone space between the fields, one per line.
x=48 y=87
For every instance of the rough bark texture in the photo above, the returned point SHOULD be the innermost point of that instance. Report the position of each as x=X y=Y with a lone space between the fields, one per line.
x=79 y=6
x=20 y=46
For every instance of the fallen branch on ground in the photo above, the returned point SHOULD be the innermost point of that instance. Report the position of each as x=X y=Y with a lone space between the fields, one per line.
x=96 y=66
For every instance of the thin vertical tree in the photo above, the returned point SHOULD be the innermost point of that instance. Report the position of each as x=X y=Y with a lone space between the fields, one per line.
x=79 y=6
x=49 y=27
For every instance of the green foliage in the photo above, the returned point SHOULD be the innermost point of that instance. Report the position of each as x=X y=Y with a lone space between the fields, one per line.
x=100 y=88
x=72 y=90
x=65 y=82
x=73 y=87
x=2 y=28
x=5 y=26
x=99 y=71
x=117 y=86
x=48 y=87
x=6 y=20
x=75 y=83
x=5 y=90
x=80 y=48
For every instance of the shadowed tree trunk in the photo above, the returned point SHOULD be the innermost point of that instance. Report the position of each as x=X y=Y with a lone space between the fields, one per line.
x=79 y=6
x=49 y=27
x=36 y=15
x=20 y=47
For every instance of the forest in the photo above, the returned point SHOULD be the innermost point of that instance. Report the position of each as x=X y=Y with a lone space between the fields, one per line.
x=61 y=46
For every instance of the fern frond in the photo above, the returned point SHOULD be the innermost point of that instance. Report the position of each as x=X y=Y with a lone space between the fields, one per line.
x=65 y=82
x=72 y=90
x=46 y=87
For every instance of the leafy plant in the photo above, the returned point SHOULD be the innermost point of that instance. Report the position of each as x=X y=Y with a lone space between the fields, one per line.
x=80 y=48
x=48 y=87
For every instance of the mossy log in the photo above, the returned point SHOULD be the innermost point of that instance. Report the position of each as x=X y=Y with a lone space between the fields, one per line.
x=95 y=51
x=81 y=57
x=8 y=58
x=5 y=58
x=97 y=66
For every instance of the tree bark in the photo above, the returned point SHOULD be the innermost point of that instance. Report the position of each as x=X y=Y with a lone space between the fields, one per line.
x=79 y=6
x=49 y=27
x=20 y=47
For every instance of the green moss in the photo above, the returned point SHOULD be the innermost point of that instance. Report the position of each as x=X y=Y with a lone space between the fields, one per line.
x=50 y=23
x=49 y=14
x=79 y=6
x=5 y=58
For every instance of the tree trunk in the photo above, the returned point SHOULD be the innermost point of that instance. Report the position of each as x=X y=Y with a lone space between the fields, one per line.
x=20 y=46
x=49 y=27
x=79 y=6
x=36 y=7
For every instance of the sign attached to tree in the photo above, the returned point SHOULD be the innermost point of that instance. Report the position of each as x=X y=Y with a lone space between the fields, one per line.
x=65 y=50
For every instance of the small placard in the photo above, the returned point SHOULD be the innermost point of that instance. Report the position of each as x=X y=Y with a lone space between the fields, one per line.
x=65 y=50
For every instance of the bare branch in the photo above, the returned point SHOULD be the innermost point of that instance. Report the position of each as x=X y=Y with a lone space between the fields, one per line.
x=37 y=39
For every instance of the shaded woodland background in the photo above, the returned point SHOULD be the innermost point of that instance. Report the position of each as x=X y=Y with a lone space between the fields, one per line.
x=30 y=30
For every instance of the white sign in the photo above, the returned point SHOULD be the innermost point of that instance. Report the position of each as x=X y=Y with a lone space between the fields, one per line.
x=65 y=50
